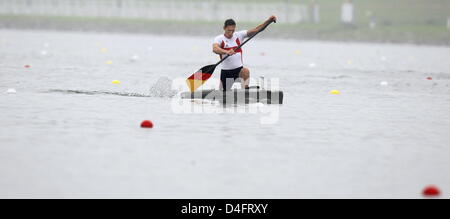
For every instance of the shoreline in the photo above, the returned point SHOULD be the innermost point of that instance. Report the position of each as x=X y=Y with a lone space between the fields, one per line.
x=418 y=35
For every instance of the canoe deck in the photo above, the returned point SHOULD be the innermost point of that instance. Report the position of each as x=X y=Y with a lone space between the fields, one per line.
x=237 y=96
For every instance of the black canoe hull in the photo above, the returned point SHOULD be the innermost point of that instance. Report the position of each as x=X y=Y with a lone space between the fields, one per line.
x=237 y=96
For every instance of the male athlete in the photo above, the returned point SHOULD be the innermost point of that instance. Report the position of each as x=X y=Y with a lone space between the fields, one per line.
x=225 y=44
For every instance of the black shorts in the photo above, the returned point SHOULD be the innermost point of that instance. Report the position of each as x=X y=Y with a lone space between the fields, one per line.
x=229 y=76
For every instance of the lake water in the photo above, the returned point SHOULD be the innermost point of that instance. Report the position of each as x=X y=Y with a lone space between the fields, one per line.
x=69 y=132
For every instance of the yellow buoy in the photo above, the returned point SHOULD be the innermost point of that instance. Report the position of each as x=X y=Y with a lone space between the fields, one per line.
x=116 y=82
x=335 y=92
x=109 y=62
x=104 y=50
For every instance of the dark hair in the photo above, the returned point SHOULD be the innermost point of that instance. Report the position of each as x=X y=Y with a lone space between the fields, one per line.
x=229 y=22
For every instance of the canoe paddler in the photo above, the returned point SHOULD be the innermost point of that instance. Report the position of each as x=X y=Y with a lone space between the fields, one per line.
x=226 y=44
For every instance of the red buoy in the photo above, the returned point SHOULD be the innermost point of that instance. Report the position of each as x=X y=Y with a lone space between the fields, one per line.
x=429 y=78
x=431 y=191
x=146 y=124
x=27 y=66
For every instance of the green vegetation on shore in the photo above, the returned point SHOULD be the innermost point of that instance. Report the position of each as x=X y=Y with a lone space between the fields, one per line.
x=397 y=21
x=425 y=34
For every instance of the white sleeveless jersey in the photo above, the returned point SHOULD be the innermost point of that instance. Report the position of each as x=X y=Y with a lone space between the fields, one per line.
x=234 y=61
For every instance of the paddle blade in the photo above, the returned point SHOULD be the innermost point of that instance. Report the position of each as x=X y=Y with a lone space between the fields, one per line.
x=200 y=77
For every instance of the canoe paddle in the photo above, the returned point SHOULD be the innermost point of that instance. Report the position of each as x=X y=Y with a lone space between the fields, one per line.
x=203 y=74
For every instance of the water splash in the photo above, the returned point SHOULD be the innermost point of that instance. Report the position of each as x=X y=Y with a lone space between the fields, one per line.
x=162 y=88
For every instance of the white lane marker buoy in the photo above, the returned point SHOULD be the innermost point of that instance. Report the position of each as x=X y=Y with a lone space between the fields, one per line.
x=134 y=58
x=11 y=91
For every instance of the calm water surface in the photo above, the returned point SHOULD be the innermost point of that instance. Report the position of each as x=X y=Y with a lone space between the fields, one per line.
x=69 y=132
